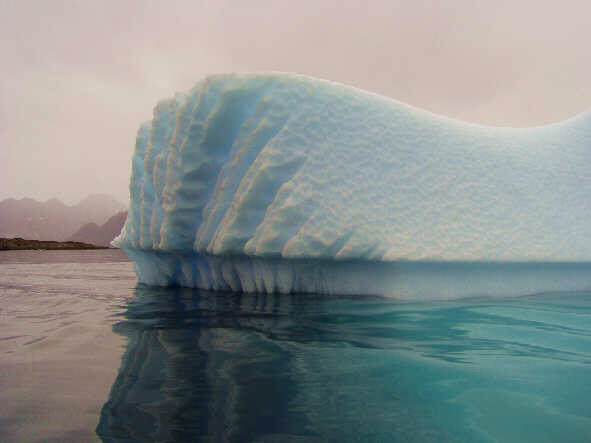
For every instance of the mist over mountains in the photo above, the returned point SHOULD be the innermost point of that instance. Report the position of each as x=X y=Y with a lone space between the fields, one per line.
x=54 y=220
x=100 y=235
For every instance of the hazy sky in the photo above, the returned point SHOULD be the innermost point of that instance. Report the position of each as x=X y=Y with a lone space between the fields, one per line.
x=78 y=77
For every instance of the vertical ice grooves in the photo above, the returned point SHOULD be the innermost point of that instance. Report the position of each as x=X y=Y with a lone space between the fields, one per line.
x=160 y=170
x=179 y=209
x=183 y=124
x=130 y=234
x=232 y=178
x=157 y=136
x=202 y=156
x=403 y=280
x=255 y=196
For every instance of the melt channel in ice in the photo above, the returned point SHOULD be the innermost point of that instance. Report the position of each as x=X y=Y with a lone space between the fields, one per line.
x=286 y=183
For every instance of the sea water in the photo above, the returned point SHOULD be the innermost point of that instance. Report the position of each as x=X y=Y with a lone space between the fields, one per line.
x=87 y=354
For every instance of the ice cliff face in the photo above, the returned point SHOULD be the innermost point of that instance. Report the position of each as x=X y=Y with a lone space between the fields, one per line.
x=278 y=167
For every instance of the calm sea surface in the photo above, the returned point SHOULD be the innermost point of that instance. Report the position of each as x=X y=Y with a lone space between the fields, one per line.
x=86 y=354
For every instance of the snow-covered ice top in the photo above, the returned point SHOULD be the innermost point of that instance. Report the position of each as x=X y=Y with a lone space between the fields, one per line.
x=282 y=165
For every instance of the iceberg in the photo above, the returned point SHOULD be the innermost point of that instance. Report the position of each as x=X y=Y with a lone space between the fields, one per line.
x=274 y=182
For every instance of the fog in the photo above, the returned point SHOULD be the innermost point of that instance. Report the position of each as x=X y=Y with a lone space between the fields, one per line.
x=79 y=77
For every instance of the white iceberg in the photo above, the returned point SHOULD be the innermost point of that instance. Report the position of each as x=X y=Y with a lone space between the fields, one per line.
x=286 y=183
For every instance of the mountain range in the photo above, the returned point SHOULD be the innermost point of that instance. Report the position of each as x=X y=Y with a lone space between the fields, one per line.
x=27 y=218
x=100 y=235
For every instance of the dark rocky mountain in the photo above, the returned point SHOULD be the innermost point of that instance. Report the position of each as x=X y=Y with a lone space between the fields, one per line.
x=100 y=235
x=53 y=220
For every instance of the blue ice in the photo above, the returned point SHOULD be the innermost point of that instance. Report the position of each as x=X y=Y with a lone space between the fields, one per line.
x=286 y=183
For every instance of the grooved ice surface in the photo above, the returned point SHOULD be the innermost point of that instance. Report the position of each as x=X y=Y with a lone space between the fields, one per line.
x=279 y=171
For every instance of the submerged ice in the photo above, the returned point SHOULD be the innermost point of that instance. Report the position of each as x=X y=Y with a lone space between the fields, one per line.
x=285 y=183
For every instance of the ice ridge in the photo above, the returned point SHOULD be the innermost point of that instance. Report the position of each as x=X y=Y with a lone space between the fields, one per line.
x=247 y=176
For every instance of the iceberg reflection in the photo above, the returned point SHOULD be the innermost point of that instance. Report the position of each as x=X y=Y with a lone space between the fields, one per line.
x=192 y=370
x=215 y=366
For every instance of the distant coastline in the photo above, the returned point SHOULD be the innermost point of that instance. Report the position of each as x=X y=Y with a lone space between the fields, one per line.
x=11 y=244
x=95 y=220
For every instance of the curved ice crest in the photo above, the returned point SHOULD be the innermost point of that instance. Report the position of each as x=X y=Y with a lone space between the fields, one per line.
x=248 y=175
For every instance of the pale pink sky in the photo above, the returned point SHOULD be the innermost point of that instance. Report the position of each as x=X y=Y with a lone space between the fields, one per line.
x=78 y=77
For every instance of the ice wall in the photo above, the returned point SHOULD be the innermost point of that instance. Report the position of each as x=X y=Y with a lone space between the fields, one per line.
x=276 y=170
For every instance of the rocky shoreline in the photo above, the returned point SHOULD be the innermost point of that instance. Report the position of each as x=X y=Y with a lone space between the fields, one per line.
x=10 y=244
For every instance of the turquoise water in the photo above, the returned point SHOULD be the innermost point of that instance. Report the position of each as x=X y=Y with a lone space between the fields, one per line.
x=81 y=345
